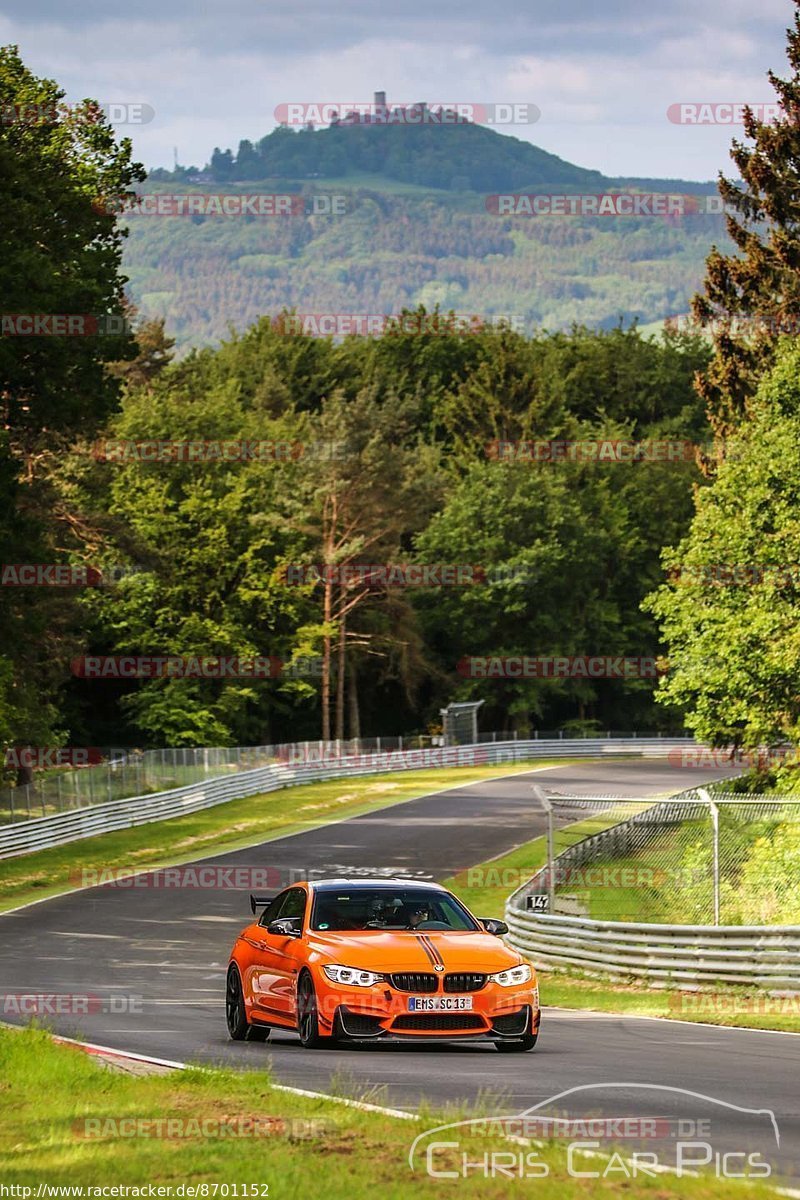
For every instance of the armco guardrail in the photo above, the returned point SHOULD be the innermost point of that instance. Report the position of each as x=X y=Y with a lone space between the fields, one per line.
x=696 y=955
x=41 y=832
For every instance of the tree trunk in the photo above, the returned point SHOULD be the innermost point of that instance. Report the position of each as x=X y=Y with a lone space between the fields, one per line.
x=326 y=667
x=352 y=695
x=340 y=679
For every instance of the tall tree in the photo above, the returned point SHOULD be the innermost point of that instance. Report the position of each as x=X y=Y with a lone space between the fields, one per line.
x=730 y=611
x=60 y=253
x=371 y=487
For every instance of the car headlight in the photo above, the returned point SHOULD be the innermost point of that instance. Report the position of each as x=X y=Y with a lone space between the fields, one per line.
x=513 y=976
x=353 y=976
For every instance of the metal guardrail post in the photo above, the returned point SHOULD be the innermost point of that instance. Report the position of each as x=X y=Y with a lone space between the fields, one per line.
x=540 y=795
x=714 y=811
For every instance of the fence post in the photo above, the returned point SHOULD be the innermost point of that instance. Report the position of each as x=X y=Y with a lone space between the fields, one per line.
x=714 y=810
x=548 y=808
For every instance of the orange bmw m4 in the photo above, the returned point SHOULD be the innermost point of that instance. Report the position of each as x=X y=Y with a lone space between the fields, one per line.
x=341 y=960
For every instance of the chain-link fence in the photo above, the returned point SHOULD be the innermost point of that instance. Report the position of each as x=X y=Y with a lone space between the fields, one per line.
x=140 y=773
x=702 y=857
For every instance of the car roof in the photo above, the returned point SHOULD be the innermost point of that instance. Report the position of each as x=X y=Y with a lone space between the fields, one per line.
x=365 y=882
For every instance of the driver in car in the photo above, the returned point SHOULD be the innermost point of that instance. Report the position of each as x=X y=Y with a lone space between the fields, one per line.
x=383 y=913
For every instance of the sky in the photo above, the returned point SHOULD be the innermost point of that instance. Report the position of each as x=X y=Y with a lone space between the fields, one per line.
x=603 y=73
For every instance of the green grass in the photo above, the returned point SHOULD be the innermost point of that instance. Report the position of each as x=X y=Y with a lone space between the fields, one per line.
x=237 y=824
x=485 y=888
x=56 y=1096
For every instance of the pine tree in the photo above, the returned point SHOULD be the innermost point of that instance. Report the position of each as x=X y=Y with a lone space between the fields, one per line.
x=752 y=296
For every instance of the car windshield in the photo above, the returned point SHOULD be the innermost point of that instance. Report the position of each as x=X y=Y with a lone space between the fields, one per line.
x=388 y=908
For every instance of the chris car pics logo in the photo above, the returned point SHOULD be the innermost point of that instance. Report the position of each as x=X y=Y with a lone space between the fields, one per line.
x=617 y=1130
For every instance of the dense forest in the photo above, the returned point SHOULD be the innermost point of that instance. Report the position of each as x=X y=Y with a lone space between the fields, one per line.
x=205 y=274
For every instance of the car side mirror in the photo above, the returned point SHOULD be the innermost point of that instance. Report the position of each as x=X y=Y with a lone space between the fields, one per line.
x=284 y=928
x=498 y=928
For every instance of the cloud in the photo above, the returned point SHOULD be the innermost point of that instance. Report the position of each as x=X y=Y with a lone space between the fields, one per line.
x=603 y=76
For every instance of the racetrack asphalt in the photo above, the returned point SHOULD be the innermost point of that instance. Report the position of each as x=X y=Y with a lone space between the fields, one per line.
x=163 y=954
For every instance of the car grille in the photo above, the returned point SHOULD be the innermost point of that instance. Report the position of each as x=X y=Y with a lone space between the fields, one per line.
x=438 y=1022
x=512 y=1024
x=414 y=981
x=464 y=981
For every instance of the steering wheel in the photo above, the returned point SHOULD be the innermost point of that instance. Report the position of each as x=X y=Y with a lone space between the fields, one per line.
x=430 y=925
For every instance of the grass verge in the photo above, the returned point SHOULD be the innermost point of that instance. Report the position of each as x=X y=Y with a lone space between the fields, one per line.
x=485 y=888
x=231 y=826
x=68 y=1122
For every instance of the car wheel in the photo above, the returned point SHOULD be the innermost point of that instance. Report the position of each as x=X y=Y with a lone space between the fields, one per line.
x=239 y=1028
x=308 y=1015
x=518 y=1044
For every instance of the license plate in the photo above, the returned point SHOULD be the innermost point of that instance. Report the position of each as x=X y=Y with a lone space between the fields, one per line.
x=439 y=1003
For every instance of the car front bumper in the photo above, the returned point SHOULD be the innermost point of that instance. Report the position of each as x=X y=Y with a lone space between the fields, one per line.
x=382 y=1011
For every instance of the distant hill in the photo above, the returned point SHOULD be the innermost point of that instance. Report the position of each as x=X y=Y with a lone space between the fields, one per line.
x=416 y=231
x=451 y=157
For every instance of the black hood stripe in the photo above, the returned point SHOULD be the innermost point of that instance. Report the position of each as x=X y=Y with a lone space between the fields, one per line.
x=433 y=953
x=427 y=949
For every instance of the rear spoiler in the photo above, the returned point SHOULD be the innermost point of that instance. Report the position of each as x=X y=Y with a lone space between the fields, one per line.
x=259 y=901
